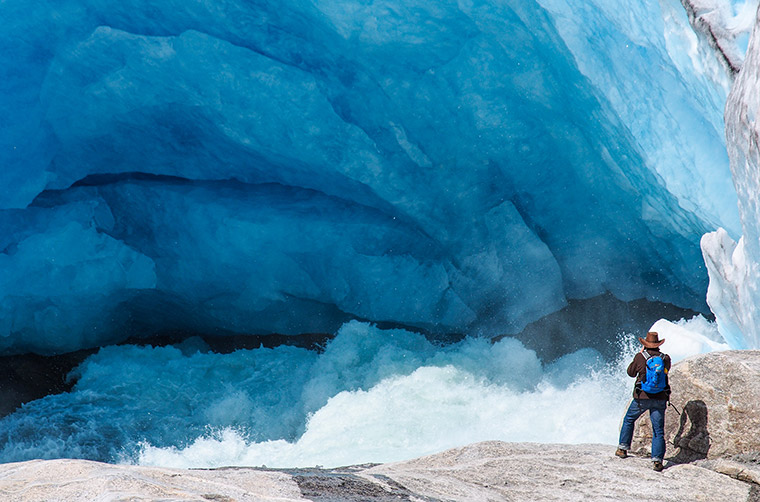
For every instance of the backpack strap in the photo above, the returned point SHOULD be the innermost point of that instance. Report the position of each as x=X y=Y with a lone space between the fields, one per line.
x=637 y=386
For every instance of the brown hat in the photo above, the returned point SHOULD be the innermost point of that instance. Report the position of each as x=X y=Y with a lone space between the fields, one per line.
x=652 y=341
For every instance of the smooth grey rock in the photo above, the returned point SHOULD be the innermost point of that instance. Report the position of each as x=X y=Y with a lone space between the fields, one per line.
x=81 y=480
x=524 y=471
x=718 y=395
x=743 y=471
x=489 y=471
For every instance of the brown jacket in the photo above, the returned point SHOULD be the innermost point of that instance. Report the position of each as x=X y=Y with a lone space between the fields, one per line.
x=638 y=369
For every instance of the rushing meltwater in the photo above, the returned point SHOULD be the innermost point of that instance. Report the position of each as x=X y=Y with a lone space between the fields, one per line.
x=371 y=395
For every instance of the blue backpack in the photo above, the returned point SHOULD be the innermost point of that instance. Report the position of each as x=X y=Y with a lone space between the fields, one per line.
x=656 y=379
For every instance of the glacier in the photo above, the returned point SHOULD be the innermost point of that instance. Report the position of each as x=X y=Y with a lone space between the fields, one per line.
x=734 y=267
x=423 y=183
x=284 y=169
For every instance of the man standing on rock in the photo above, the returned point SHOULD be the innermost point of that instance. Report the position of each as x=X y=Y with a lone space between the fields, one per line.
x=651 y=392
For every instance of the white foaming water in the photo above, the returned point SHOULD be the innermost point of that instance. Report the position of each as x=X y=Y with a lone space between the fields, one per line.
x=430 y=410
x=473 y=392
x=371 y=395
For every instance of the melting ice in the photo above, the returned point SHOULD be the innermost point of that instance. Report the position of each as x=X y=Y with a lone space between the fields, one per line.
x=287 y=167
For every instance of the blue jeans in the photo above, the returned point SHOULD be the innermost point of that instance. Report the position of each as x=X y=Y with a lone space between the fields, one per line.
x=656 y=409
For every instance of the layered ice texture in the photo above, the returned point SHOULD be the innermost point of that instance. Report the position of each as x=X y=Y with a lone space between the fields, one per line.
x=734 y=292
x=726 y=26
x=249 y=167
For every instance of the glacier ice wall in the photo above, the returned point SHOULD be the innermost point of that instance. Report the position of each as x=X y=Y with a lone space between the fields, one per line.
x=251 y=167
x=734 y=267
x=725 y=25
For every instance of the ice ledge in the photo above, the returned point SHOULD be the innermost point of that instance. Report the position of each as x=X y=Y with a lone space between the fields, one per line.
x=729 y=289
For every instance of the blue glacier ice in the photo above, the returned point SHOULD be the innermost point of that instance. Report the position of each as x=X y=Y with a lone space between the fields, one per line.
x=393 y=173
x=457 y=167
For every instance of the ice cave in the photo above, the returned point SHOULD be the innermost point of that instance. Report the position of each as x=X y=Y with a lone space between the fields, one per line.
x=310 y=232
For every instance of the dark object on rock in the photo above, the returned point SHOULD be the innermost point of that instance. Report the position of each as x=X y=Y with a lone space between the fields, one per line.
x=326 y=486
x=694 y=444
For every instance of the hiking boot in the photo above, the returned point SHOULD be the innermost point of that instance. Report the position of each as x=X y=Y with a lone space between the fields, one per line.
x=657 y=466
x=621 y=453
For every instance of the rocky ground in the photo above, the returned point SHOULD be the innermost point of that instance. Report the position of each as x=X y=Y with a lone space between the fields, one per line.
x=490 y=471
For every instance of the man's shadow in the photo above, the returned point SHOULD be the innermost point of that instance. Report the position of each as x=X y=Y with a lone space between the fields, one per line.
x=695 y=443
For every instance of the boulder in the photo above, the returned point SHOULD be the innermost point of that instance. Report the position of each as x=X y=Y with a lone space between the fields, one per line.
x=716 y=408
